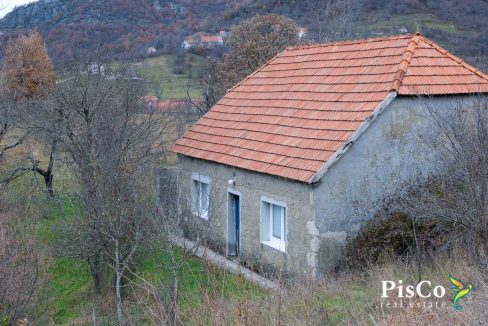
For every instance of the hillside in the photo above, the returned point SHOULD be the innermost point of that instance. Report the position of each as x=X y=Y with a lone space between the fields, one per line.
x=123 y=29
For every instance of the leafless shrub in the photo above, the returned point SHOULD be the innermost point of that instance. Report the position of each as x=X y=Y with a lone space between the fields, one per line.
x=160 y=299
x=347 y=299
x=19 y=268
x=459 y=196
x=334 y=20
x=9 y=139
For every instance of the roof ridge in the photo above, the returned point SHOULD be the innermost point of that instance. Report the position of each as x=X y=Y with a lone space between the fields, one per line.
x=407 y=56
x=455 y=58
x=350 y=42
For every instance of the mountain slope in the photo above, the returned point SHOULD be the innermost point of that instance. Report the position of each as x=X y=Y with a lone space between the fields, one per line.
x=123 y=29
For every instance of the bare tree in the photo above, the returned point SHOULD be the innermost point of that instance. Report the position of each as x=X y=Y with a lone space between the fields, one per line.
x=8 y=140
x=19 y=269
x=110 y=138
x=211 y=89
x=319 y=9
x=458 y=197
x=160 y=299
x=334 y=19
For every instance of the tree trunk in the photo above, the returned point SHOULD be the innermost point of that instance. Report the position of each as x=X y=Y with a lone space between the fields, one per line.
x=419 y=253
x=96 y=274
x=48 y=173
x=172 y=316
x=94 y=316
x=48 y=177
x=118 y=277
x=94 y=309
x=48 y=180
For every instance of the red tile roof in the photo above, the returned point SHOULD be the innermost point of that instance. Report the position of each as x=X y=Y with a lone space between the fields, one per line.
x=290 y=116
x=211 y=38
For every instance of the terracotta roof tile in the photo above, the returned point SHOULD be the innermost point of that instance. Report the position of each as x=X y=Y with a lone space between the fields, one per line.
x=291 y=116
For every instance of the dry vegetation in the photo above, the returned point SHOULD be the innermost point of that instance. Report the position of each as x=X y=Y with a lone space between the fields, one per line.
x=97 y=250
x=347 y=299
x=207 y=295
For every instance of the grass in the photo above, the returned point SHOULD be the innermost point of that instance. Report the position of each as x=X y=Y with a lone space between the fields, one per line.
x=211 y=296
x=167 y=84
x=68 y=279
x=69 y=285
x=69 y=289
x=411 y=22
x=197 y=278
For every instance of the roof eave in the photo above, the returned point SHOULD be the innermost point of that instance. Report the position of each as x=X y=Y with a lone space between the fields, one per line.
x=362 y=128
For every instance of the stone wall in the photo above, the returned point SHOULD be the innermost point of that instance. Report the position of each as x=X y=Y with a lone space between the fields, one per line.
x=395 y=151
x=251 y=187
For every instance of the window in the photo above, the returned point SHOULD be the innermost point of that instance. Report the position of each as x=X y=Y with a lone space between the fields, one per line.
x=200 y=195
x=273 y=224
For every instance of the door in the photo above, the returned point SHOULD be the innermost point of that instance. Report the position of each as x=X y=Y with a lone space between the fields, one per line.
x=233 y=224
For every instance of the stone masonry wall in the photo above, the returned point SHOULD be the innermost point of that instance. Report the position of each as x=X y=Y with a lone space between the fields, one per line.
x=251 y=186
x=394 y=151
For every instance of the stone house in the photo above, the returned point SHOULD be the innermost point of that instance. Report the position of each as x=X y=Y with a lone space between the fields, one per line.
x=295 y=158
x=302 y=32
x=204 y=40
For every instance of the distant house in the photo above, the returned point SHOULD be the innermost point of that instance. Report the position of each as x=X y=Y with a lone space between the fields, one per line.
x=187 y=44
x=204 y=40
x=94 y=69
x=402 y=30
x=151 y=50
x=295 y=158
x=302 y=32
x=211 y=40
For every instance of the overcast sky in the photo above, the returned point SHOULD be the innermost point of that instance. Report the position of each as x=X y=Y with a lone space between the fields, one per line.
x=7 y=5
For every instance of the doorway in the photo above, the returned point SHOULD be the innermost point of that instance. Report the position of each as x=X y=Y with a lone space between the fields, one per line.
x=233 y=224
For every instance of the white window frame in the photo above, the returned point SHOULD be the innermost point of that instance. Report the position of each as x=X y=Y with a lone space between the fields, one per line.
x=267 y=237
x=196 y=198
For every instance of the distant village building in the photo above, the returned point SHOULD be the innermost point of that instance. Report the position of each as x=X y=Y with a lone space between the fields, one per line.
x=204 y=40
x=402 y=30
x=151 y=50
x=302 y=32
x=95 y=68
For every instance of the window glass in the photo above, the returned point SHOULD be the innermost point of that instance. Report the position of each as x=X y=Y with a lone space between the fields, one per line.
x=205 y=197
x=200 y=195
x=194 y=196
x=277 y=221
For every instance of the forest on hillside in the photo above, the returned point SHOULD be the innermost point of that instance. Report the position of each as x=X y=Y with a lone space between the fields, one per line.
x=124 y=29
